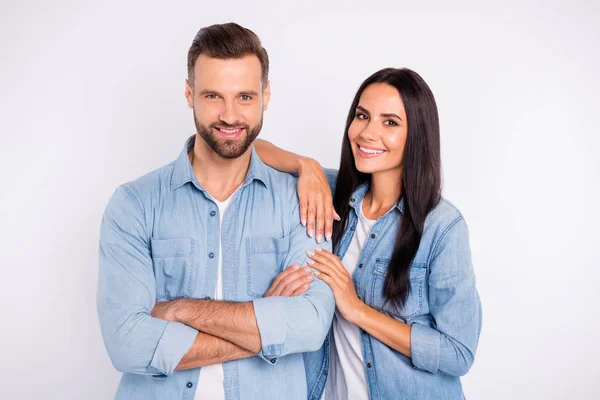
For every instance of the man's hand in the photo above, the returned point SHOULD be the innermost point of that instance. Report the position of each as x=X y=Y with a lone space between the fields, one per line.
x=291 y=282
x=316 y=201
x=165 y=310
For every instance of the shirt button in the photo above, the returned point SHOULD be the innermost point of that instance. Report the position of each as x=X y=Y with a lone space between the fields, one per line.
x=189 y=385
x=213 y=213
x=211 y=255
x=373 y=236
x=206 y=297
x=352 y=200
x=273 y=361
x=324 y=372
x=360 y=265
x=352 y=228
x=363 y=331
x=369 y=365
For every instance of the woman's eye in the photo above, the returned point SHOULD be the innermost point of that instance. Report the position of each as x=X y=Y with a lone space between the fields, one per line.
x=361 y=116
x=389 y=122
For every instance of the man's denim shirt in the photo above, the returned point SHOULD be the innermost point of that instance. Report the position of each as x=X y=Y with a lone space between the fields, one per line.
x=159 y=240
x=443 y=307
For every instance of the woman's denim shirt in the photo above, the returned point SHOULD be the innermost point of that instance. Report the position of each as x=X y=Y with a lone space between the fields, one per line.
x=443 y=307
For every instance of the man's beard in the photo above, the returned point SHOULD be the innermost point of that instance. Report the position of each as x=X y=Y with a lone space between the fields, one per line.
x=224 y=148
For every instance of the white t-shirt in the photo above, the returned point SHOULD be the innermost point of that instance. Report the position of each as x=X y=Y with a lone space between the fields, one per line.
x=210 y=382
x=347 y=377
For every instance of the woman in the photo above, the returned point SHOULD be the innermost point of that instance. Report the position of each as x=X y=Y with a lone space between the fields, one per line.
x=408 y=315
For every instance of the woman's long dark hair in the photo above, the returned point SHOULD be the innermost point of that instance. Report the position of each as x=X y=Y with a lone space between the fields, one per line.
x=421 y=174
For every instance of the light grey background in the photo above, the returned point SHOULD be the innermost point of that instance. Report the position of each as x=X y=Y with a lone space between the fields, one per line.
x=91 y=96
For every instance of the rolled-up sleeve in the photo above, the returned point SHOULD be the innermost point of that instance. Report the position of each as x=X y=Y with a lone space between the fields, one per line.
x=449 y=344
x=297 y=324
x=136 y=342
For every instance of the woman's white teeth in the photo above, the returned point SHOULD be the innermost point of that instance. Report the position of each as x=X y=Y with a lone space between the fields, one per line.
x=370 y=151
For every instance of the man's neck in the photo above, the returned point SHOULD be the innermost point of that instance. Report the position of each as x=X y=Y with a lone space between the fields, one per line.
x=220 y=177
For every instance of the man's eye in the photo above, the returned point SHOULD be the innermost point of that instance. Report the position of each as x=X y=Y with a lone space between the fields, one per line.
x=212 y=96
x=245 y=97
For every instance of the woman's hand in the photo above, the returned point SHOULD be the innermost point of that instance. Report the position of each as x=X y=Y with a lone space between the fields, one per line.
x=316 y=201
x=331 y=270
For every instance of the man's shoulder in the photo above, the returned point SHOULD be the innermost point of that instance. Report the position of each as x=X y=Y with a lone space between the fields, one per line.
x=150 y=183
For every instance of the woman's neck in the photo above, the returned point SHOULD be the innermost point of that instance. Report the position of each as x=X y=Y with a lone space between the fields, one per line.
x=383 y=194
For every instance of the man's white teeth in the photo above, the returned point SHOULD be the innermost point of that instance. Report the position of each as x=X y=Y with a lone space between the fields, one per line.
x=370 y=151
x=229 y=131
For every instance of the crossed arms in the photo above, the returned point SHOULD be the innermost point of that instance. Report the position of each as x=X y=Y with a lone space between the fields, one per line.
x=147 y=338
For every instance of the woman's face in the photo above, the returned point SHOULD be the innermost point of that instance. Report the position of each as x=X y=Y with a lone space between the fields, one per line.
x=378 y=131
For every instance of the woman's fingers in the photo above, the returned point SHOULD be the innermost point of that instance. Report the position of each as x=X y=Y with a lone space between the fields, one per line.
x=324 y=267
x=320 y=228
x=329 y=211
x=303 y=199
x=325 y=257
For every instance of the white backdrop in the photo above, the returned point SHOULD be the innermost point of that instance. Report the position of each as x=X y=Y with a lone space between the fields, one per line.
x=91 y=96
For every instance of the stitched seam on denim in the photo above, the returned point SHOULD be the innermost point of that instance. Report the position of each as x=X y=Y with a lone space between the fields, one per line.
x=419 y=279
x=248 y=269
x=442 y=236
x=135 y=199
x=190 y=266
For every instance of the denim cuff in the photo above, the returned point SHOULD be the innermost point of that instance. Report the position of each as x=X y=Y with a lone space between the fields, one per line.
x=175 y=341
x=270 y=318
x=425 y=348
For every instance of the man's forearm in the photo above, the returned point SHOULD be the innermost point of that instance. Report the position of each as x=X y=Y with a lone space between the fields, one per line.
x=208 y=350
x=234 y=322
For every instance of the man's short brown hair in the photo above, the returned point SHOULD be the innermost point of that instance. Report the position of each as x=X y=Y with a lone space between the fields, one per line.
x=227 y=41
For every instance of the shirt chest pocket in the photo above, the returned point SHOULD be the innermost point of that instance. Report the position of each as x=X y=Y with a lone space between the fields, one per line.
x=173 y=267
x=414 y=302
x=264 y=260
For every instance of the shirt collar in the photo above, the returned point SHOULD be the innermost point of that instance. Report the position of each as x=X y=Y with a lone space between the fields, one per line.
x=183 y=172
x=359 y=194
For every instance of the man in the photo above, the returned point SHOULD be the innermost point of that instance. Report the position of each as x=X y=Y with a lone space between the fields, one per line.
x=187 y=252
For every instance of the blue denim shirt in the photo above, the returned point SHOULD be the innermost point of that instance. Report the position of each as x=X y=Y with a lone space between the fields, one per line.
x=443 y=307
x=159 y=240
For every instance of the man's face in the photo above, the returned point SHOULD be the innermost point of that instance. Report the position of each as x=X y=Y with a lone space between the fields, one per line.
x=228 y=102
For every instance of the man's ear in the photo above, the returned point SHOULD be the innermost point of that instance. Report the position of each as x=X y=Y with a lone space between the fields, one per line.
x=266 y=95
x=189 y=94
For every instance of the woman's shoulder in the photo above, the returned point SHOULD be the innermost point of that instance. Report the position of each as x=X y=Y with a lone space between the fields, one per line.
x=443 y=216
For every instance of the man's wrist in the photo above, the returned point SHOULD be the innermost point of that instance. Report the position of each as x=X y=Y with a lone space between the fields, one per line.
x=178 y=310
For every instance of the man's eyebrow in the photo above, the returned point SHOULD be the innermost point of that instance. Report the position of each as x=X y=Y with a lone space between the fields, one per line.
x=207 y=91
x=249 y=93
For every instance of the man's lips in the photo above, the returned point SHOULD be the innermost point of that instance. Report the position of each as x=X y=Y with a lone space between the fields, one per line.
x=230 y=133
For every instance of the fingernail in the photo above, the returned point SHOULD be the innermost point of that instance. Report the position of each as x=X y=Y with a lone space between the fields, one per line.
x=318 y=249
x=328 y=237
x=308 y=269
x=319 y=238
x=311 y=232
x=303 y=222
x=310 y=262
x=310 y=253
x=317 y=273
x=296 y=267
x=310 y=277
